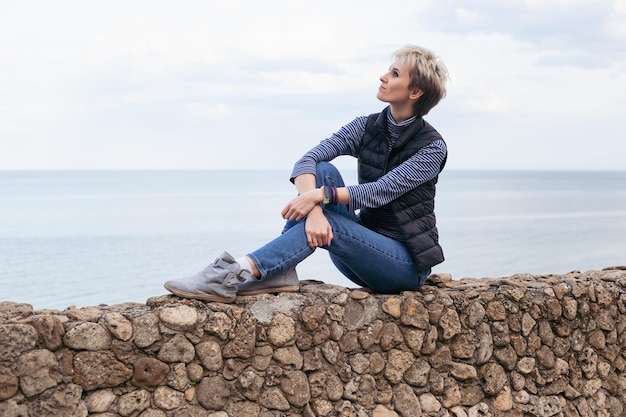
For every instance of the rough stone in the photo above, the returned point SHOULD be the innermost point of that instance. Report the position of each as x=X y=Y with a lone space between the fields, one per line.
x=523 y=345
x=210 y=355
x=406 y=402
x=37 y=371
x=63 y=400
x=177 y=349
x=99 y=401
x=134 y=402
x=213 y=393
x=149 y=372
x=167 y=398
x=16 y=339
x=146 y=330
x=93 y=370
x=88 y=336
x=282 y=330
x=119 y=326
x=50 y=328
x=179 y=318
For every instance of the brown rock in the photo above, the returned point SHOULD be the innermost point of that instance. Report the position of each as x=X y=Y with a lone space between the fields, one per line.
x=179 y=318
x=441 y=359
x=242 y=345
x=494 y=378
x=429 y=403
x=359 y=363
x=289 y=357
x=210 y=355
x=146 y=330
x=133 y=403
x=462 y=371
x=95 y=370
x=485 y=343
x=507 y=357
x=414 y=339
x=233 y=368
x=417 y=374
x=177 y=349
x=249 y=384
x=406 y=402
x=471 y=395
x=295 y=386
x=91 y=314
x=262 y=357
x=213 y=393
x=349 y=343
x=274 y=399
x=282 y=330
x=450 y=324
x=398 y=362
x=167 y=399
x=430 y=341
x=149 y=372
x=463 y=346
x=382 y=411
x=390 y=337
x=196 y=411
x=37 y=371
x=63 y=400
x=500 y=334
x=392 y=307
x=545 y=357
x=413 y=313
x=8 y=384
x=528 y=323
x=16 y=339
x=475 y=315
x=99 y=401
x=119 y=326
x=50 y=328
x=245 y=408
x=451 y=394
x=334 y=388
x=218 y=324
x=88 y=336
x=597 y=340
x=355 y=310
x=496 y=311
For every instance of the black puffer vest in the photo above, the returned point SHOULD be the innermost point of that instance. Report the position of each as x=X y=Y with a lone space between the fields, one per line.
x=414 y=211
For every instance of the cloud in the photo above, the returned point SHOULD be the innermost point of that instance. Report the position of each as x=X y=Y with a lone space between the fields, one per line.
x=577 y=32
x=153 y=84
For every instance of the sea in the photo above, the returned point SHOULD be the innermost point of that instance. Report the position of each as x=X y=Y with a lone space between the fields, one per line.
x=87 y=238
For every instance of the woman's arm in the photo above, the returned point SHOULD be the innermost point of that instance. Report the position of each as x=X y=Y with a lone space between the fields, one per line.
x=346 y=141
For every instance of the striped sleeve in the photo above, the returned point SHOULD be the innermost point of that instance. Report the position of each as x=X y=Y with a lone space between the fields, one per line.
x=345 y=142
x=421 y=167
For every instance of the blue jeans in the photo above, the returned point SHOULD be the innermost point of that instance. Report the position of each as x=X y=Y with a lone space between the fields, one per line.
x=365 y=257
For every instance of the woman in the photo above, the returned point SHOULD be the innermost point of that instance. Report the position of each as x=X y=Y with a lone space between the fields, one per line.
x=391 y=245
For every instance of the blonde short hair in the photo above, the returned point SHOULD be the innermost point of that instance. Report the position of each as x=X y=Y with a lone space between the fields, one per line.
x=428 y=73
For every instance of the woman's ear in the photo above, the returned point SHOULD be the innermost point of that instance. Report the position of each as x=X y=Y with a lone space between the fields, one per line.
x=415 y=94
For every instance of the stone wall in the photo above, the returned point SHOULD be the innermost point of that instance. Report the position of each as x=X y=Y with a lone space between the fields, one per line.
x=523 y=345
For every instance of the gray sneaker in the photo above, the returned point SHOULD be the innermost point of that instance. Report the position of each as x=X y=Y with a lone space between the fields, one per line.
x=217 y=282
x=284 y=282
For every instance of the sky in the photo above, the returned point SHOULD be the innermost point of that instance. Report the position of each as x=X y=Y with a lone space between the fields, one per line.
x=247 y=84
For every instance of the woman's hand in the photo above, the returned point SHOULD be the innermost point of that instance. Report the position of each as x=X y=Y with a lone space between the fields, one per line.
x=301 y=206
x=318 y=231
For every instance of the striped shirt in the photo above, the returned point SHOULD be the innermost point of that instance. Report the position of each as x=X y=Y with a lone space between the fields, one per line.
x=419 y=168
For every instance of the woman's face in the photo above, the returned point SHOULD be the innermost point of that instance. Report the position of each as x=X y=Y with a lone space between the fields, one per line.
x=394 y=86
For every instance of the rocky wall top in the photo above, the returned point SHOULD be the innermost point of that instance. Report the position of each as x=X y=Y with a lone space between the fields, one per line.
x=521 y=345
